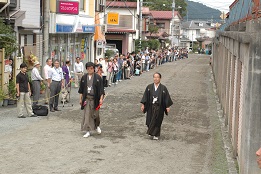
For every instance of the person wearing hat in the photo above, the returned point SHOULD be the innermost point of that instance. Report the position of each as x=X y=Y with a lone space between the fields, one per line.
x=36 y=82
x=91 y=97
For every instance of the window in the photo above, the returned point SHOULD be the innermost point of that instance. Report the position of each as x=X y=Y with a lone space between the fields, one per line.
x=99 y=5
x=161 y=25
x=197 y=32
x=99 y=51
x=200 y=24
x=28 y=40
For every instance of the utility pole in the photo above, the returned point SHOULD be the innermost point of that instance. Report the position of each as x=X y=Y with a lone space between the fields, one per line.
x=173 y=26
x=46 y=31
x=192 y=40
x=140 y=22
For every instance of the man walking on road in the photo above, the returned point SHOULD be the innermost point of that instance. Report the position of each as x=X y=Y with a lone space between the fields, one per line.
x=36 y=80
x=91 y=97
x=23 y=92
x=156 y=100
x=47 y=67
x=55 y=82
x=78 y=70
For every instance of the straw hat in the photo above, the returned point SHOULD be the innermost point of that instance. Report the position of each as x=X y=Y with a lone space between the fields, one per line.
x=36 y=63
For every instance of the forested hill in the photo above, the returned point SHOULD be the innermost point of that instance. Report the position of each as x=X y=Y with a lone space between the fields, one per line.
x=198 y=11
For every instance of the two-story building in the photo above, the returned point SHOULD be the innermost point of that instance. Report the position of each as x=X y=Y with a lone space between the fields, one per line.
x=197 y=31
x=164 y=21
x=24 y=16
x=71 y=29
x=122 y=34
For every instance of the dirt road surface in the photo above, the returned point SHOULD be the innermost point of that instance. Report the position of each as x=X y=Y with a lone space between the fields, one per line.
x=190 y=143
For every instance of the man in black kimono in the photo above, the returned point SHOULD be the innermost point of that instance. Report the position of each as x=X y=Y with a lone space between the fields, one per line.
x=91 y=97
x=155 y=102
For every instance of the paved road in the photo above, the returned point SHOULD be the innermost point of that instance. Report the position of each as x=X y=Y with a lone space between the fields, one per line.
x=191 y=140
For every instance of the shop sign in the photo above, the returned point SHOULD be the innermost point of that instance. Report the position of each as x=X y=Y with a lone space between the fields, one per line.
x=100 y=44
x=64 y=28
x=69 y=29
x=113 y=19
x=88 y=29
x=68 y=7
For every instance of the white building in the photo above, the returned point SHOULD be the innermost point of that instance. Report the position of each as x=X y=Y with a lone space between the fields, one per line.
x=192 y=31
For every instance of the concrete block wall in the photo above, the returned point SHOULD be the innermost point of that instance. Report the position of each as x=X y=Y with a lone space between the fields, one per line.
x=237 y=72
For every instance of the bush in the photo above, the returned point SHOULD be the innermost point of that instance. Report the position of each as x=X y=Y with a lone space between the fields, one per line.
x=12 y=89
x=109 y=53
x=2 y=95
x=154 y=44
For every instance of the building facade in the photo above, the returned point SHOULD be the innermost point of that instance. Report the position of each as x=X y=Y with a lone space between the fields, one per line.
x=24 y=16
x=197 y=31
x=122 y=33
x=71 y=29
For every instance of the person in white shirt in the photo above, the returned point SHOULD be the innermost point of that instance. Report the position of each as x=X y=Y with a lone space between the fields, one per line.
x=36 y=81
x=104 y=71
x=10 y=69
x=55 y=83
x=47 y=67
x=78 y=71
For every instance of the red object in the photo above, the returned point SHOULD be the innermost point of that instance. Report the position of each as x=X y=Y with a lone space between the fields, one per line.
x=98 y=107
x=68 y=7
x=82 y=55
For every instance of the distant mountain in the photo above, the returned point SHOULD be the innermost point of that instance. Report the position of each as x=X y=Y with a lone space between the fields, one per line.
x=198 y=11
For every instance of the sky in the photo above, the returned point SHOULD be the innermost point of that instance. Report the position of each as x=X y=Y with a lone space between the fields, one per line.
x=222 y=5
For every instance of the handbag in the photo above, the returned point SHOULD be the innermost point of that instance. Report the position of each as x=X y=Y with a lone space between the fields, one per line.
x=40 y=110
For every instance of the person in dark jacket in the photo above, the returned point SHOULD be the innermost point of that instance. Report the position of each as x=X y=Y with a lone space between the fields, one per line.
x=155 y=102
x=67 y=78
x=91 y=98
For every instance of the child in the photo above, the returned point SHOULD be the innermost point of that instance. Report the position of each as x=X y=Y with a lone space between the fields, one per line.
x=137 y=71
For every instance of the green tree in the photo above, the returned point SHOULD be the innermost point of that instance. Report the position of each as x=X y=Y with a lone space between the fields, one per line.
x=144 y=45
x=165 y=5
x=154 y=44
x=7 y=39
x=153 y=29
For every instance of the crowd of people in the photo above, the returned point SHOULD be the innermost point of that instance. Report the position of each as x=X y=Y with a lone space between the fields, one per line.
x=111 y=70
x=123 y=67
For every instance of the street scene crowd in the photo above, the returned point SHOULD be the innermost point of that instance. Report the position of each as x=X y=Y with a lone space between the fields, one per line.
x=123 y=67
x=102 y=73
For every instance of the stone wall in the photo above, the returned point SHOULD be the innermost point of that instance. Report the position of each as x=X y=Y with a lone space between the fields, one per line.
x=237 y=71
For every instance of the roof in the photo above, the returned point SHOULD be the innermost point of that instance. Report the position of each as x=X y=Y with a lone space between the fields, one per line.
x=195 y=25
x=119 y=30
x=121 y=4
x=159 y=35
x=163 y=14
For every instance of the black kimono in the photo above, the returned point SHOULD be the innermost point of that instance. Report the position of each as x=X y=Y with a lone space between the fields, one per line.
x=155 y=104
x=97 y=87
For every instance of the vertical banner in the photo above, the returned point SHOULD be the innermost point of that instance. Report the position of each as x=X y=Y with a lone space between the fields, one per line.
x=82 y=49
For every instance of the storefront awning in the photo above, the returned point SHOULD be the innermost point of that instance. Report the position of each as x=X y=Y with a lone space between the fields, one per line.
x=98 y=35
